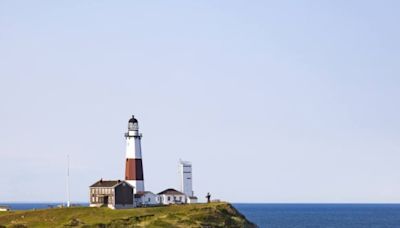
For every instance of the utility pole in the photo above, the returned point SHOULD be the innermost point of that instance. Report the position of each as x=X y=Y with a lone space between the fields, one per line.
x=68 y=196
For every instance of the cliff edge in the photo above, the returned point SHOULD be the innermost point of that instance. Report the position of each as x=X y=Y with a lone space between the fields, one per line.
x=193 y=215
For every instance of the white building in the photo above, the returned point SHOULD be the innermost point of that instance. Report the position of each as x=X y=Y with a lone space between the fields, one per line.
x=171 y=196
x=4 y=208
x=144 y=199
x=191 y=199
x=186 y=181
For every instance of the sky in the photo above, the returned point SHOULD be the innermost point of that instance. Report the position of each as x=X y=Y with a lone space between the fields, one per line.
x=271 y=101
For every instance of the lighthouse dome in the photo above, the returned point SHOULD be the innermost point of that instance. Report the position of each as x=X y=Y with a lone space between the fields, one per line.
x=133 y=120
x=133 y=124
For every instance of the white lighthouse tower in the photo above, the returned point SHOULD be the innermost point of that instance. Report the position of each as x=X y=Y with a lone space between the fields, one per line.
x=134 y=164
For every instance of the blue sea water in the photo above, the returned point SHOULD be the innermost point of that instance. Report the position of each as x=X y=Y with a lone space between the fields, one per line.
x=32 y=206
x=322 y=215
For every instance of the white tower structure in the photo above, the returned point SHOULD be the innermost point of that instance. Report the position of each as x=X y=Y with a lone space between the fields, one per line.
x=134 y=164
x=185 y=173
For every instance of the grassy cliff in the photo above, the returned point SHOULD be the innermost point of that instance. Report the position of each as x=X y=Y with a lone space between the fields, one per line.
x=195 y=215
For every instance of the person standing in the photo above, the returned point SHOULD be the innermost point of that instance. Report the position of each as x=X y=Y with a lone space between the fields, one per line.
x=208 y=196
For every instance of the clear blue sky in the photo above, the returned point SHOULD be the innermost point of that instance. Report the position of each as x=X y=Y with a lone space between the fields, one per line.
x=272 y=101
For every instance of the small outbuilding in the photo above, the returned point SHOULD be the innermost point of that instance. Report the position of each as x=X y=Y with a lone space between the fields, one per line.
x=171 y=196
x=114 y=194
x=191 y=199
x=4 y=208
x=146 y=198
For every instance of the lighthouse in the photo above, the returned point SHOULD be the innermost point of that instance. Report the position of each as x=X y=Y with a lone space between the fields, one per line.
x=134 y=164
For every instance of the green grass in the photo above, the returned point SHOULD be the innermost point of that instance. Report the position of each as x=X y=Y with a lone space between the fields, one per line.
x=193 y=215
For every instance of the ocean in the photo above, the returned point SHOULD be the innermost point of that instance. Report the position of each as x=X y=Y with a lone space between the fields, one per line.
x=298 y=215
x=31 y=206
x=322 y=215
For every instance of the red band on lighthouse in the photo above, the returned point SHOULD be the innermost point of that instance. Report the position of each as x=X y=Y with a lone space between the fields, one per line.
x=134 y=169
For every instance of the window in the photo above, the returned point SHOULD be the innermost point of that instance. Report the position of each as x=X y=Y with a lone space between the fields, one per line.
x=169 y=198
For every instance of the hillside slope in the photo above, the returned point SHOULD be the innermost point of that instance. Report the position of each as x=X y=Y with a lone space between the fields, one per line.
x=195 y=215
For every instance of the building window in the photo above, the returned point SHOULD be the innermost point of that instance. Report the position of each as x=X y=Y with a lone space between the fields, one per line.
x=169 y=198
